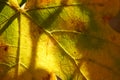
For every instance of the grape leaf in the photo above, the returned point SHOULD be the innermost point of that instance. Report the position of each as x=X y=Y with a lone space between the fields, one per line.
x=59 y=40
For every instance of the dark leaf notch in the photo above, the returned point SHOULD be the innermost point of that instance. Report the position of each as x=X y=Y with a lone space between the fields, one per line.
x=115 y=22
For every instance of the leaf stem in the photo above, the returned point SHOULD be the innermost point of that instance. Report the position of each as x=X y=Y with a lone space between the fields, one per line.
x=66 y=31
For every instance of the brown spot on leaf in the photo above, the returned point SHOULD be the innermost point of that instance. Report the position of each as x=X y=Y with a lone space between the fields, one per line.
x=113 y=38
x=78 y=25
x=106 y=18
x=5 y=48
x=81 y=27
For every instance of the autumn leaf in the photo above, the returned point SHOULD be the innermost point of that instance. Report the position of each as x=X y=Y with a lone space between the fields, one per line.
x=59 y=40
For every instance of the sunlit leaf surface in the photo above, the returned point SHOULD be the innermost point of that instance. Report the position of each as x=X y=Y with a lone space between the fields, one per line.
x=59 y=40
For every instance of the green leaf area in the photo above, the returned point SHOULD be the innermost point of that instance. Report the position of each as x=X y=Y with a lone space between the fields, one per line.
x=64 y=42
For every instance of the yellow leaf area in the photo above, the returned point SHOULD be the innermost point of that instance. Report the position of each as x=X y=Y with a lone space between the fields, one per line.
x=59 y=40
